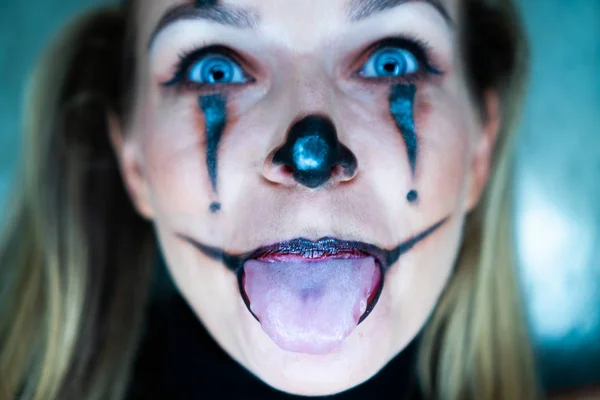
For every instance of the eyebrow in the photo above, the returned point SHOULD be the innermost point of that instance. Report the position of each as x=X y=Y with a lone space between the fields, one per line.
x=243 y=18
x=360 y=9
x=237 y=17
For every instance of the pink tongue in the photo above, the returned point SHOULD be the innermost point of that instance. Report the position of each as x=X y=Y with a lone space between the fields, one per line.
x=310 y=306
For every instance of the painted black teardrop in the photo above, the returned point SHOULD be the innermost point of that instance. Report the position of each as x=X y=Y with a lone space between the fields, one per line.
x=214 y=108
x=312 y=151
x=402 y=98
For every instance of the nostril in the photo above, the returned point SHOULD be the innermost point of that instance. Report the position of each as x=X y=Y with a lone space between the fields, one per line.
x=341 y=173
x=288 y=176
x=279 y=174
x=287 y=170
x=344 y=172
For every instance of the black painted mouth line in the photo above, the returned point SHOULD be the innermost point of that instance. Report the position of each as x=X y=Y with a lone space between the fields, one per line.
x=311 y=249
x=324 y=248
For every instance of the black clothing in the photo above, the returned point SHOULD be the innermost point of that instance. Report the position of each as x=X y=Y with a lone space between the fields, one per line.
x=179 y=360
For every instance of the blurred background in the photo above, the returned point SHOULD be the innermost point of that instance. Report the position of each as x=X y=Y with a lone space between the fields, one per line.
x=557 y=186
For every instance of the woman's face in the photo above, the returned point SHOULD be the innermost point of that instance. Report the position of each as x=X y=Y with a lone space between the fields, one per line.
x=308 y=166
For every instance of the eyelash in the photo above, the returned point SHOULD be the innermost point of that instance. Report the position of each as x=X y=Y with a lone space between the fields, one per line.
x=419 y=48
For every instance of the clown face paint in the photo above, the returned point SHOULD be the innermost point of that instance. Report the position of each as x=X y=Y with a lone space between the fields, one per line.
x=213 y=107
x=215 y=207
x=310 y=161
x=412 y=196
x=312 y=150
x=309 y=296
x=402 y=98
x=310 y=250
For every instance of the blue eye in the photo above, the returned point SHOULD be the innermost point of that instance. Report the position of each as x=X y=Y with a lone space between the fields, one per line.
x=207 y=66
x=390 y=62
x=216 y=69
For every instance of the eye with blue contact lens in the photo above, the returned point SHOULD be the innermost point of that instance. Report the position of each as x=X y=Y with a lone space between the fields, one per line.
x=216 y=69
x=213 y=66
x=390 y=62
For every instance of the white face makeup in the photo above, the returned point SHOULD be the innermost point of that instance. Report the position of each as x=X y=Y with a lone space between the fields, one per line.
x=308 y=166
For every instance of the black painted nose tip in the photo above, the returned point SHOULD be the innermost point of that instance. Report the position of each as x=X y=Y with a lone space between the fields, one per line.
x=312 y=151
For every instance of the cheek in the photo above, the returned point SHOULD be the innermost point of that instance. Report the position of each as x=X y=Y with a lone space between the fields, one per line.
x=175 y=159
x=442 y=129
x=442 y=123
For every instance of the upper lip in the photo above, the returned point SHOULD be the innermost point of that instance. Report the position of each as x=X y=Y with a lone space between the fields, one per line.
x=326 y=247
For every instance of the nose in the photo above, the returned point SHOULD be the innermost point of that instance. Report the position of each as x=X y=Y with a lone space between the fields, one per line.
x=312 y=155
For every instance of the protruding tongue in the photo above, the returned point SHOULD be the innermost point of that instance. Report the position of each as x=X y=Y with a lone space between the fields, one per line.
x=310 y=306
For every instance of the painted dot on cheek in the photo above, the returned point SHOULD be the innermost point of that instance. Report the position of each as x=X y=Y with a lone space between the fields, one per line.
x=412 y=196
x=214 y=207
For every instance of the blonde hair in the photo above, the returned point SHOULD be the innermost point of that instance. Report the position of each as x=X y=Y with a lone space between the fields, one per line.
x=77 y=260
x=476 y=345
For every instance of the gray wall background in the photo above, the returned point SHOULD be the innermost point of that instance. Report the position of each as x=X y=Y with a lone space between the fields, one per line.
x=557 y=185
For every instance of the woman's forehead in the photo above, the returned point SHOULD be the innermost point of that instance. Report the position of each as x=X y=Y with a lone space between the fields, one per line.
x=306 y=16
